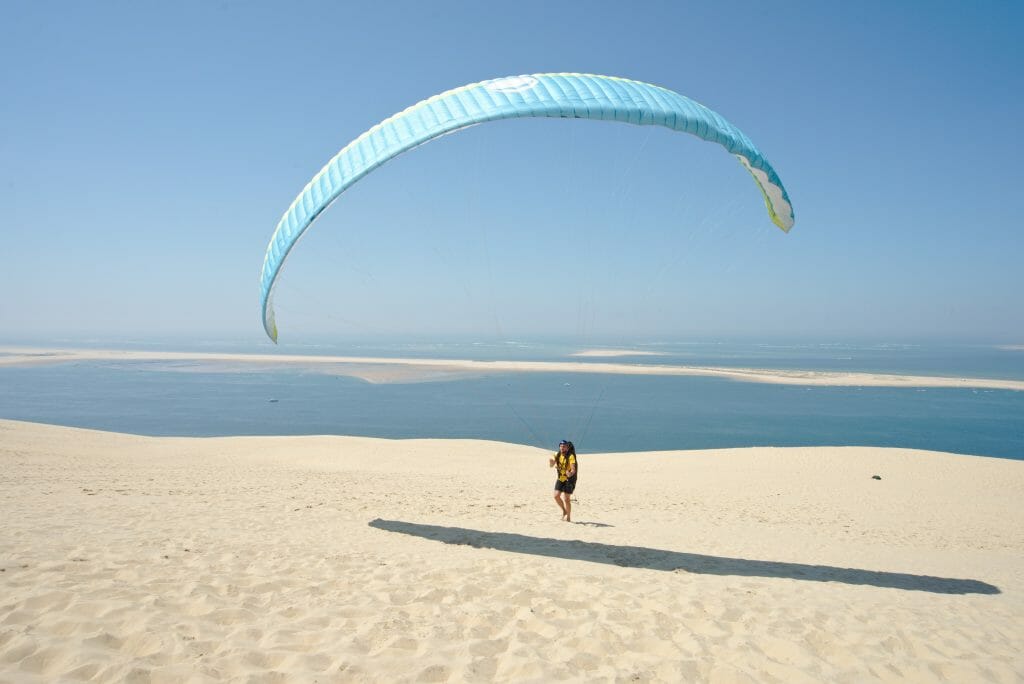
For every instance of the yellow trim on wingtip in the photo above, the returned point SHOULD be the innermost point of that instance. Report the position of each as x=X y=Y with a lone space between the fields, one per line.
x=776 y=219
x=772 y=214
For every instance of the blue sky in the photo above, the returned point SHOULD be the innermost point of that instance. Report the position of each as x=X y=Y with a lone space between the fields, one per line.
x=150 y=148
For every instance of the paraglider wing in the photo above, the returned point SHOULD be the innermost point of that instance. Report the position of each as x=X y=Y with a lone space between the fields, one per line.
x=580 y=96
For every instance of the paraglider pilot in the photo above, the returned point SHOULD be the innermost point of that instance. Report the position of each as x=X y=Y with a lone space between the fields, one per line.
x=564 y=461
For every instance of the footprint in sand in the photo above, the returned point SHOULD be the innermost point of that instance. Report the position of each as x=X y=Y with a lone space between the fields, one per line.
x=104 y=640
x=488 y=647
x=54 y=601
x=434 y=673
x=20 y=648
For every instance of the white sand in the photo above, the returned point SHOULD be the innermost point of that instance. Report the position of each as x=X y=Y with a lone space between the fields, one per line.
x=376 y=369
x=345 y=559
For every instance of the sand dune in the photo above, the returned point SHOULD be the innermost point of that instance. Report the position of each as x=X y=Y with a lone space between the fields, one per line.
x=348 y=559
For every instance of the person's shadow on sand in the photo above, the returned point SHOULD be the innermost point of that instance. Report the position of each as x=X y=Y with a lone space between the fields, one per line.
x=671 y=561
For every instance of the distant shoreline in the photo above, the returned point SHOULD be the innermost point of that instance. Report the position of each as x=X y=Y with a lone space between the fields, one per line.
x=384 y=370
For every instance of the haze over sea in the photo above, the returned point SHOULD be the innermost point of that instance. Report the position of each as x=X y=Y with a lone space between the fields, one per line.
x=601 y=412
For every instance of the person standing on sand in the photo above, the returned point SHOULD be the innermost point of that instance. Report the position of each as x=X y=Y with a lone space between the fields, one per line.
x=564 y=461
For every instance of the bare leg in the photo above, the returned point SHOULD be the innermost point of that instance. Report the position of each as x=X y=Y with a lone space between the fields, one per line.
x=558 y=500
x=567 y=506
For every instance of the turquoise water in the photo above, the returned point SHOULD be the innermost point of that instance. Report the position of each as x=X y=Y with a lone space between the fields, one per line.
x=599 y=412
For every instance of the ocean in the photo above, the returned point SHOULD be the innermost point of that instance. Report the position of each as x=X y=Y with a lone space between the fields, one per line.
x=599 y=412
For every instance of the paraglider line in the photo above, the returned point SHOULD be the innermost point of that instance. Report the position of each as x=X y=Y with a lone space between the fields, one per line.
x=537 y=440
x=593 y=410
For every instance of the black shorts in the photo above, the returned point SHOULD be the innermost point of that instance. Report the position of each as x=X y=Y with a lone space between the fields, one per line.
x=568 y=486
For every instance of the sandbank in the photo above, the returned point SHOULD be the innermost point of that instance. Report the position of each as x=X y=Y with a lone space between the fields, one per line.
x=338 y=559
x=385 y=369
